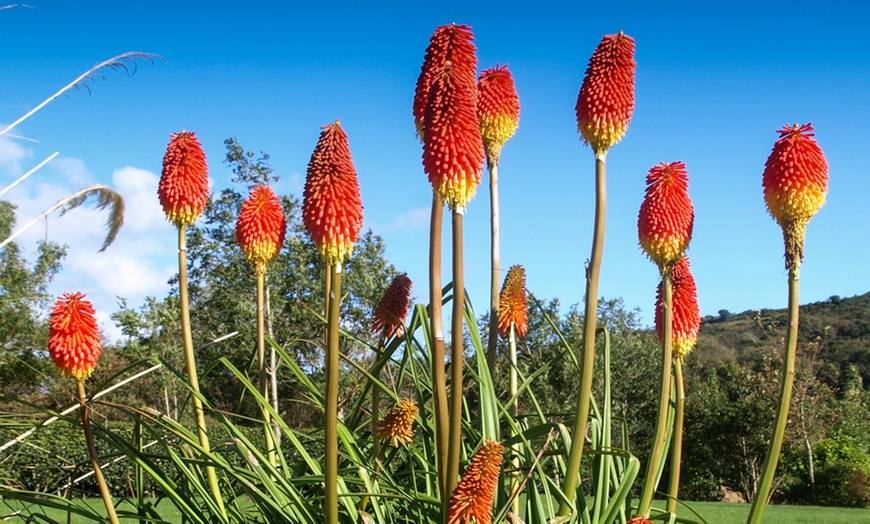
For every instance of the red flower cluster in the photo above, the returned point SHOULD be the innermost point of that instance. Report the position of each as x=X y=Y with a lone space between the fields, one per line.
x=332 y=210
x=73 y=337
x=498 y=110
x=606 y=99
x=452 y=147
x=687 y=315
x=474 y=495
x=389 y=317
x=513 y=307
x=183 y=188
x=795 y=183
x=666 y=217
x=261 y=228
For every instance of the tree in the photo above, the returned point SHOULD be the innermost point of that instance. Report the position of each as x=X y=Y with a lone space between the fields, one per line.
x=24 y=367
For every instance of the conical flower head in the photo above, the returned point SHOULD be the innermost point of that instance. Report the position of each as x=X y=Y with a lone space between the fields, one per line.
x=513 y=308
x=449 y=43
x=474 y=495
x=261 y=228
x=392 y=310
x=606 y=99
x=183 y=188
x=73 y=337
x=452 y=147
x=332 y=210
x=498 y=110
x=795 y=183
x=687 y=315
x=664 y=225
x=640 y=519
x=397 y=425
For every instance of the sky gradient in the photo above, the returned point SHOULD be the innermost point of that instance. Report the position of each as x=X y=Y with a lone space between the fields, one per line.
x=714 y=84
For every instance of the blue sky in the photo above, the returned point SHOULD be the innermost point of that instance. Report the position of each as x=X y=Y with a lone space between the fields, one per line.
x=714 y=83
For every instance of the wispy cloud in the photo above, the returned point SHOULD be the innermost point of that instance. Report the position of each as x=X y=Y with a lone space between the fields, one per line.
x=413 y=219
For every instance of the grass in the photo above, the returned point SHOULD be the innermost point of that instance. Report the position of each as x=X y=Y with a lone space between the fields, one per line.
x=711 y=512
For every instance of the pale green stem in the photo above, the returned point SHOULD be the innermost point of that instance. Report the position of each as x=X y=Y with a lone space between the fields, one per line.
x=514 y=412
x=661 y=433
x=590 y=320
x=456 y=357
x=264 y=378
x=495 y=276
x=436 y=322
x=92 y=451
x=677 y=442
x=190 y=361
x=770 y=462
x=331 y=444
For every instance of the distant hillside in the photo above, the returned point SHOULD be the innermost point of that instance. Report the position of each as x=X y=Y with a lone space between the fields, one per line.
x=838 y=329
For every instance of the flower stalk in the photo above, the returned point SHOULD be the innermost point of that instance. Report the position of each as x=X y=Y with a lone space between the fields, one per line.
x=92 y=452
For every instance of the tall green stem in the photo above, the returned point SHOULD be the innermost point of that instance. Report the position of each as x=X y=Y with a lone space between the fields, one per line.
x=376 y=401
x=677 y=442
x=513 y=409
x=190 y=361
x=770 y=462
x=456 y=357
x=661 y=433
x=261 y=363
x=495 y=276
x=590 y=321
x=92 y=451
x=436 y=323
x=331 y=444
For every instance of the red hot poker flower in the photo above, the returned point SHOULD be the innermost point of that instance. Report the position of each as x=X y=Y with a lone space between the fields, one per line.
x=606 y=99
x=640 y=519
x=795 y=183
x=666 y=217
x=512 y=305
x=332 y=210
x=183 y=188
x=687 y=315
x=498 y=109
x=392 y=310
x=73 y=337
x=398 y=425
x=261 y=228
x=474 y=495
x=452 y=147
x=449 y=43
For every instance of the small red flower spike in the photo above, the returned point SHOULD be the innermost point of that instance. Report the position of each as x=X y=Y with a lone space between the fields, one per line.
x=513 y=307
x=332 y=209
x=795 y=183
x=498 y=110
x=606 y=99
x=687 y=315
x=666 y=217
x=261 y=228
x=474 y=495
x=73 y=337
x=392 y=310
x=183 y=188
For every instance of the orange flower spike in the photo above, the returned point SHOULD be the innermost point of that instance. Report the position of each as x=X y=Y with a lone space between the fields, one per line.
x=452 y=146
x=73 y=337
x=795 y=183
x=392 y=310
x=687 y=315
x=398 y=425
x=498 y=110
x=474 y=495
x=513 y=308
x=639 y=520
x=261 y=228
x=332 y=209
x=183 y=188
x=449 y=43
x=666 y=217
x=606 y=99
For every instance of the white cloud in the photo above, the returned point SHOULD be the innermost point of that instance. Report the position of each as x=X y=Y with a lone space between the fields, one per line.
x=414 y=219
x=11 y=155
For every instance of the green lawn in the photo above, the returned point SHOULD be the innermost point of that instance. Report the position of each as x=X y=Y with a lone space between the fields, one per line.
x=710 y=512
